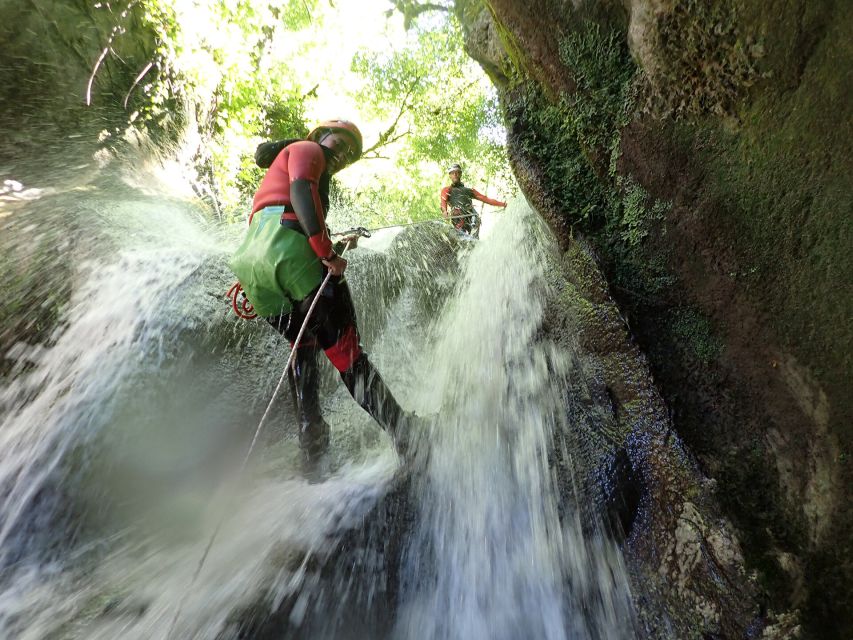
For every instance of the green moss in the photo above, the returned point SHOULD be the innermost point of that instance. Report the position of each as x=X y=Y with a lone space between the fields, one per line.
x=603 y=72
x=516 y=59
x=702 y=62
x=575 y=140
x=783 y=184
x=639 y=214
x=585 y=274
x=694 y=331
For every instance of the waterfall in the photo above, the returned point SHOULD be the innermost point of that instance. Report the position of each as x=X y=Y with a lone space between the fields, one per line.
x=503 y=562
x=120 y=436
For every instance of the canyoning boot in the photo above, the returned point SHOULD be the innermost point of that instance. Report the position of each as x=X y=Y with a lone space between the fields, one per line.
x=368 y=389
x=305 y=382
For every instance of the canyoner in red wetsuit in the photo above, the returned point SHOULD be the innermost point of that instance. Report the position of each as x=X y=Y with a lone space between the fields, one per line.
x=457 y=198
x=282 y=262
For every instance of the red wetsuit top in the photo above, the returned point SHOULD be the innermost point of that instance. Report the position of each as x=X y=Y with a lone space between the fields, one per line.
x=458 y=195
x=294 y=181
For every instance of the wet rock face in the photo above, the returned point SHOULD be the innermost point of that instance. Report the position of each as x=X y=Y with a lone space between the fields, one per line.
x=685 y=558
x=736 y=121
x=356 y=574
x=693 y=54
x=482 y=41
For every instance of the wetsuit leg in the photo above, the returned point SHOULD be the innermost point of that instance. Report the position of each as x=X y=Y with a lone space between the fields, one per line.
x=369 y=390
x=314 y=430
x=305 y=382
x=334 y=324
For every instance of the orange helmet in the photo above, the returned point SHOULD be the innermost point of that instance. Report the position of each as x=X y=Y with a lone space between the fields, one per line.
x=344 y=127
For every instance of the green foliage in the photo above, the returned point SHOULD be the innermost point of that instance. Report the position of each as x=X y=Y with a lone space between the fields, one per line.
x=296 y=14
x=411 y=9
x=284 y=118
x=414 y=196
x=431 y=94
x=603 y=71
x=213 y=65
x=235 y=71
x=436 y=108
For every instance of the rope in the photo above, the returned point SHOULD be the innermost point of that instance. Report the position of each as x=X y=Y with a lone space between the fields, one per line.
x=242 y=468
x=404 y=224
x=245 y=310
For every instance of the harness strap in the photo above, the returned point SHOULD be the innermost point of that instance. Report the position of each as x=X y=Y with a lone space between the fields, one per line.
x=293 y=224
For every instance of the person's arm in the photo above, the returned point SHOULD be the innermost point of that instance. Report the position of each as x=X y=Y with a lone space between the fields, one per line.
x=479 y=196
x=444 y=194
x=305 y=165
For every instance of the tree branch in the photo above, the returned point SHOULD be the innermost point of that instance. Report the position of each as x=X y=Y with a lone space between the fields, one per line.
x=136 y=82
x=387 y=137
x=411 y=9
x=383 y=143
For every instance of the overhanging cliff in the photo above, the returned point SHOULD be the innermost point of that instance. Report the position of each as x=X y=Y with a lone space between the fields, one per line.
x=707 y=153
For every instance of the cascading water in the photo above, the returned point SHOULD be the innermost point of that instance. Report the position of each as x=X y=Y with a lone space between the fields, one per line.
x=504 y=565
x=115 y=436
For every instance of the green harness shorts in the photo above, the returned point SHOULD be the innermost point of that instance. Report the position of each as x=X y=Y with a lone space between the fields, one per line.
x=275 y=264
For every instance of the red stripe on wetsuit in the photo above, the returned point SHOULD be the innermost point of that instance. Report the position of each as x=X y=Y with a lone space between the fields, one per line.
x=345 y=351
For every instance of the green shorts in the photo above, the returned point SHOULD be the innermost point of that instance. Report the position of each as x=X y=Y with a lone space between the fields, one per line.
x=275 y=265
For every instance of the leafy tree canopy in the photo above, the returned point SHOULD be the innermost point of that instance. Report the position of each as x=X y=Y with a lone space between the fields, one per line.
x=237 y=72
x=438 y=109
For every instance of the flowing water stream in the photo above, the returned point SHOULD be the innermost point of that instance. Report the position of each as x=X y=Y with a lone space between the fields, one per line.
x=120 y=438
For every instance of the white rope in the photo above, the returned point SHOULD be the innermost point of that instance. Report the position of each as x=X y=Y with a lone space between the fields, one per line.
x=242 y=468
x=406 y=224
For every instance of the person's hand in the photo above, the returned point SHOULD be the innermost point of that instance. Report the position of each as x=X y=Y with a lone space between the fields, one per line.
x=350 y=241
x=336 y=265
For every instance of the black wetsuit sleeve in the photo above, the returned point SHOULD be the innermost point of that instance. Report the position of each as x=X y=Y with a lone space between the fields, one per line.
x=302 y=196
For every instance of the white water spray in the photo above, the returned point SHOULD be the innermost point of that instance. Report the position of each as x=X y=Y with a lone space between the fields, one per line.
x=136 y=379
x=493 y=558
